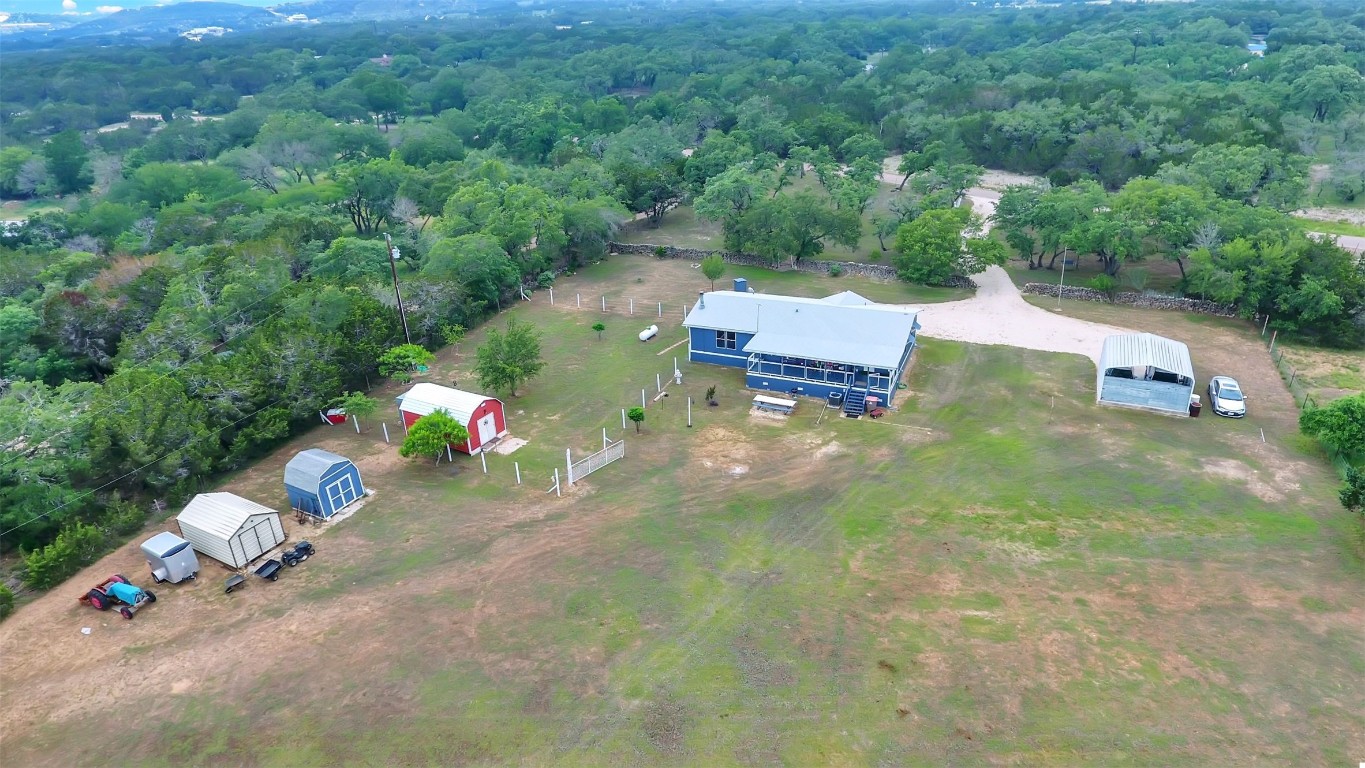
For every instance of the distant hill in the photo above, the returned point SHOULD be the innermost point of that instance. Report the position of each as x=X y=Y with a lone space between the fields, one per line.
x=28 y=28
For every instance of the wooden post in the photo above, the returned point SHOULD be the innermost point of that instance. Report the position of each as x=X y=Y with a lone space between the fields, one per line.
x=386 y=431
x=517 y=467
x=483 y=457
x=1273 y=334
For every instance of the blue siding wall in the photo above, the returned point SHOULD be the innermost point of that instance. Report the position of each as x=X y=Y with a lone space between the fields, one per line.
x=309 y=502
x=703 y=349
x=784 y=386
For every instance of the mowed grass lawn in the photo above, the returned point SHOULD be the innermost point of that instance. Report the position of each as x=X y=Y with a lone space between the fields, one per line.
x=997 y=572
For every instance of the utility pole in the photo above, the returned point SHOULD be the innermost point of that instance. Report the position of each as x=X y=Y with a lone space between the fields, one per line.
x=397 y=294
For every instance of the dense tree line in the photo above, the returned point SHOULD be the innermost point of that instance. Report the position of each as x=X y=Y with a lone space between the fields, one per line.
x=217 y=273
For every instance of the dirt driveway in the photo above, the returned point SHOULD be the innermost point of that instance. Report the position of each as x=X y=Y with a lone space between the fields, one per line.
x=999 y=315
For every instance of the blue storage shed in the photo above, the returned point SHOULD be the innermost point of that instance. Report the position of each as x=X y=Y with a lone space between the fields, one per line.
x=321 y=483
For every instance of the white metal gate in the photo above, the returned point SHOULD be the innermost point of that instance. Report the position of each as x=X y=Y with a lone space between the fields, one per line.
x=584 y=467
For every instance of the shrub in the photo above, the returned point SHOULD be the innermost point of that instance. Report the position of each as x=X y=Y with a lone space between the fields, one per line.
x=6 y=601
x=1104 y=284
x=835 y=270
x=661 y=251
x=123 y=518
x=546 y=279
x=74 y=548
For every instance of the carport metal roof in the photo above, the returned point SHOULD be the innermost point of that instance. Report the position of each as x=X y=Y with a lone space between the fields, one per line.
x=1146 y=349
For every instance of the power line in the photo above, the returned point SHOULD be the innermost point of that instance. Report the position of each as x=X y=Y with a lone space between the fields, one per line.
x=159 y=377
x=138 y=469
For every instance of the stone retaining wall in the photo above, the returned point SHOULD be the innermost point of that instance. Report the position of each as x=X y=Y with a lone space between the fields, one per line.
x=1140 y=300
x=875 y=271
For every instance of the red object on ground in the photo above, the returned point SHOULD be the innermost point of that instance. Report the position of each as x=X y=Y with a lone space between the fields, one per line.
x=335 y=416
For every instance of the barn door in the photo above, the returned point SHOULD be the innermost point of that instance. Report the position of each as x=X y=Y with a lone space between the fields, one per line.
x=341 y=492
x=488 y=429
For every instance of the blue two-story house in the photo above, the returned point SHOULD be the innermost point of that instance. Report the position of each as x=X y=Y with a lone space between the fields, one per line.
x=841 y=344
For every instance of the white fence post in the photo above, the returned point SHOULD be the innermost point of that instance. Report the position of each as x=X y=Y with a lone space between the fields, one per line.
x=579 y=298
x=517 y=467
x=689 y=412
x=552 y=296
x=483 y=457
x=604 y=303
x=623 y=418
x=661 y=309
x=568 y=457
x=632 y=306
x=357 y=424
x=450 y=457
x=386 y=431
x=642 y=399
x=604 y=437
x=658 y=383
x=557 y=493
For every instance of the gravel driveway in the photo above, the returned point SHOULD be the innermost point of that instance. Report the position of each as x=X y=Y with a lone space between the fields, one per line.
x=998 y=314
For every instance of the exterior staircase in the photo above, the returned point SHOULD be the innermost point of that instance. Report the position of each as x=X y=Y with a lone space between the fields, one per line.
x=855 y=402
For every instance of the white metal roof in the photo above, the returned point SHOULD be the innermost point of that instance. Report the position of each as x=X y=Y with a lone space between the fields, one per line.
x=221 y=514
x=857 y=334
x=848 y=299
x=1127 y=350
x=307 y=468
x=426 y=398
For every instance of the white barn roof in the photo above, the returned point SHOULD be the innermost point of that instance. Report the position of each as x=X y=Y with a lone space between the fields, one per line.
x=427 y=398
x=1127 y=350
x=222 y=514
x=306 y=469
x=836 y=329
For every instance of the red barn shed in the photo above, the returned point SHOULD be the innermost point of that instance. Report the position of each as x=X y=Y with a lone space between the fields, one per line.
x=482 y=415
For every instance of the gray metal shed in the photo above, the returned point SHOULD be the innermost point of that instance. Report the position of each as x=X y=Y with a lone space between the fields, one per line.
x=229 y=528
x=1145 y=371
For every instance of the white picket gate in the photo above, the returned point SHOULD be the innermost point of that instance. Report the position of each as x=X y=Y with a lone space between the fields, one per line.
x=586 y=466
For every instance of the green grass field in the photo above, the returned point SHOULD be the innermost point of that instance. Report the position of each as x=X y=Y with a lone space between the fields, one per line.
x=998 y=572
x=1333 y=227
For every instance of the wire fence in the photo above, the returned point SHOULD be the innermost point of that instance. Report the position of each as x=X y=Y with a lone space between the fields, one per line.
x=1298 y=388
x=1297 y=385
x=646 y=309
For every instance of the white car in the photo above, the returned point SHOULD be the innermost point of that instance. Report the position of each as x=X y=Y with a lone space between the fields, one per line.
x=1226 y=398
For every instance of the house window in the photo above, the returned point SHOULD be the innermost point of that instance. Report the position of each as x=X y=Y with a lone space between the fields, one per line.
x=726 y=340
